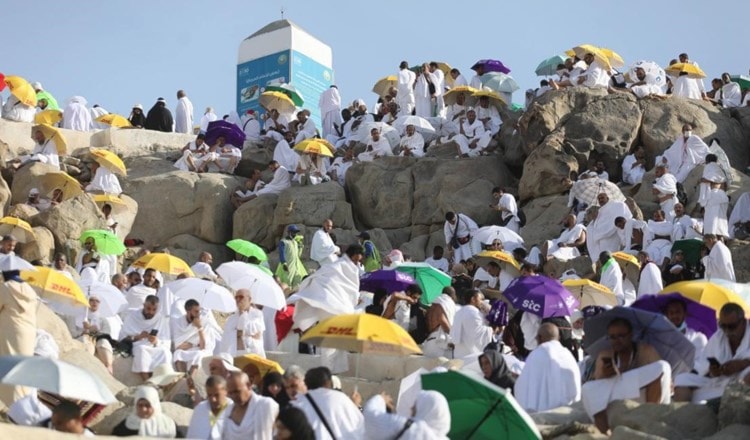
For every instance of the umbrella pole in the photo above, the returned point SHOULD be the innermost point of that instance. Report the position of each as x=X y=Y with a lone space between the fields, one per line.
x=486 y=416
x=356 y=373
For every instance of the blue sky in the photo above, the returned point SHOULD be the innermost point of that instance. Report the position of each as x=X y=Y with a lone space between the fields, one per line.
x=117 y=54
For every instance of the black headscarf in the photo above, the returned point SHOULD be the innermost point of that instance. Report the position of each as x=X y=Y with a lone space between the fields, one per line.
x=159 y=118
x=501 y=375
x=281 y=397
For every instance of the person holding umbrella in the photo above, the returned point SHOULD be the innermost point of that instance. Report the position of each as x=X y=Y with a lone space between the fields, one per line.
x=291 y=270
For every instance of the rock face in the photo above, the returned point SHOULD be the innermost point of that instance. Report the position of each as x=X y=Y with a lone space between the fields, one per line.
x=69 y=219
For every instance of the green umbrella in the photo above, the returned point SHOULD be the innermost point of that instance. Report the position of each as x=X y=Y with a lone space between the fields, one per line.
x=742 y=80
x=431 y=280
x=290 y=91
x=479 y=409
x=106 y=242
x=548 y=67
x=263 y=268
x=248 y=249
x=691 y=248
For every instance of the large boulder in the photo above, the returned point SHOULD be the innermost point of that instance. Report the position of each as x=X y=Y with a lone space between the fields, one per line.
x=137 y=142
x=22 y=211
x=735 y=405
x=69 y=219
x=543 y=218
x=125 y=215
x=545 y=167
x=311 y=205
x=382 y=192
x=17 y=135
x=26 y=178
x=42 y=248
x=254 y=221
x=189 y=247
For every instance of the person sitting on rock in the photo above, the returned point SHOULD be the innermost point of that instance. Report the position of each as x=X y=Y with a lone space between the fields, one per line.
x=412 y=143
x=472 y=138
x=633 y=166
x=104 y=181
x=45 y=151
x=146 y=418
x=66 y=417
x=377 y=146
x=149 y=332
x=252 y=185
x=193 y=154
x=622 y=372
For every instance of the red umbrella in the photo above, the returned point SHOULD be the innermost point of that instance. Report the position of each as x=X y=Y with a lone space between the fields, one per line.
x=284 y=321
x=2 y=82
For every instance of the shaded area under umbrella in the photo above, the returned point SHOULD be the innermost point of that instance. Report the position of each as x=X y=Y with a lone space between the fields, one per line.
x=233 y=135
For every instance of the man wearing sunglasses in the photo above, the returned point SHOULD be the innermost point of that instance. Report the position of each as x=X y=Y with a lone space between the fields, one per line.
x=726 y=357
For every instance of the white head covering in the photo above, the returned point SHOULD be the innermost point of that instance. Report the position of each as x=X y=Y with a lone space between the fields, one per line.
x=37 y=85
x=138 y=106
x=431 y=407
x=29 y=410
x=45 y=345
x=158 y=425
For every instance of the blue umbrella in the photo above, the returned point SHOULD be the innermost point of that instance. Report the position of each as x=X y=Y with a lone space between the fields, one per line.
x=541 y=296
x=698 y=317
x=499 y=82
x=649 y=327
x=390 y=280
x=491 y=66
x=231 y=132
x=548 y=67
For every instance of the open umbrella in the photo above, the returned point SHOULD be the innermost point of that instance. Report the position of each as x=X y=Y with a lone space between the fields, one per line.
x=741 y=289
x=54 y=286
x=109 y=160
x=488 y=234
x=17 y=228
x=111 y=300
x=290 y=91
x=742 y=80
x=691 y=70
x=691 y=249
x=386 y=131
x=21 y=89
x=62 y=181
x=315 y=146
x=586 y=190
x=541 y=296
x=430 y=280
x=114 y=120
x=209 y=294
x=49 y=117
x=53 y=133
x=164 y=263
x=56 y=377
x=652 y=328
x=698 y=317
x=258 y=366
x=504 y=259
x=590 y=293
x=614 y=58
x=390 y=280
x=247 y=248
x=421 y=124
x=495 y=100
x=382 y=86
x=106 y=242
x=629 y=265
x=598 y=53
x=451 y=95
x=264 y=289
x=277 y=101
x=706 y=293
x=491 y=66
x=11 y=262
x=654 y=73
x=479 y=409
x=548 y=67
x=117 y=204
x=499 y=82
x=2 y=82
x=233 y=135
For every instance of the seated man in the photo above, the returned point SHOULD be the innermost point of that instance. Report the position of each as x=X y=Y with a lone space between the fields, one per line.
x=472 y=138
x=412 y=143
x=341 y=165
x=676 y=312
x=551 y=377
x=305 y=128
x=281 y=181
x=194 y=336
x=284 y=152
x=311 y=169
x=489 y=116
x=565 y=247
x=252 y=186
x=149 y=332
x=657 y=240
x=625 y=371
x=633 y=166
x=726 y=357
x=275 y=126
x=377 y=146
x=45 y=151
x=104 y=181
x=192 y=155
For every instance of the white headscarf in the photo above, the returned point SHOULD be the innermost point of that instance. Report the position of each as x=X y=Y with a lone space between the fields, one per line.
x=158 y=425
x=431 y=407
x=29 y=411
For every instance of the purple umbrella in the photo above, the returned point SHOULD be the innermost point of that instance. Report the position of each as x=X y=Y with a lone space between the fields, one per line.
x=390 y=280
x=232 y=133
x=491 y=66
x=541 y=296
x=698 y=317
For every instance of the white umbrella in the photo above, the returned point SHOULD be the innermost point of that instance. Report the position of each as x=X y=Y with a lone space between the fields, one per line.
x=408 y=390
x=263 y=287
x=208 y=294
x=488 y=234
x=654 y=73
x=422 y=125
x=111 y=300
x=388 y=132
x=56 y=377
x=11 y=262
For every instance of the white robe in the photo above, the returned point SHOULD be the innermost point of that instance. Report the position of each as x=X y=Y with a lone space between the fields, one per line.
x=568 y=236
x=249 y=323
x=413 y=143
x=341 y=166
x=715 y=216
x=682 y=156
x=206 y=119
x=281 y=181
x=307 y=165
x=200 y=422
x=464 y=228
x=342 y=415
x=550 y=378
x=714 y=173
x=596 y=394
x=650 y=282
x=740 y=213
x=322 y=249
x=44 y=153
x=685 y=87
x=106 y=181
x=601 y=233
x=197 y=153
x=472 y=131
x=147 y=356
x=423 y=100
x=305 y=131
x=730 y=95
x=95 y=113
x=476 y=82
x=658 y=248
x=379 y=148
x=436 y=344
x=380 y=424
x=612 y=278
x=258 y=422
x=718 y=263
x=495 y=121
x=509 y=208
x=15 y=110
x=630 y=174
x=76 y=117
x=684 y=227
x=183 y=331
x=469 y=333
x=330 y=110
x=405 y=91
x=251 y=127
x=285 y=155
x=203 y=270
x=596 y=76
x=183 y=116
x=667 y=185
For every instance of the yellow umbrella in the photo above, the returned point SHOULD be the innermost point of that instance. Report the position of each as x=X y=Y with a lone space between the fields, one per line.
x=278 y=101
x=707 y=293
x=118 y=205
x=451 y=95
x=504 y=259
x=316 y=146
x=53 y=133
x=590 y=293
x=495 y=99
x=114 y=120
x=691 y=70
x=49 y=117
x=256 y=366
x=19 y=229
x=362 y=333
x=54 y=286
x=629 y=265
x=62 y=181
x=599 y=55
x=109 y=160
x=381 y=87
x=165 y=263
x=21 y=89
x=614 y=58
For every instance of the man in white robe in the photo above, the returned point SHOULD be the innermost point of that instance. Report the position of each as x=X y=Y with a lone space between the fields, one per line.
x=601 y=233
x=713 y=173
x=730 y=94
x=684 y=154
x=377 y=146
x=323 y=249
x=305 y=128
x=610 y=275
x=45 y=151
x=458 y=78
x=472 y=138
x=183 y=114
x=202 y=268
x=718 y=262
x=76 y=116
x=633 y=166
x=311 y=169
x=243 y=330
x=550 y=377
x=565 y=247
x=676 y=311
x=470 y=333
x=15 y=110
x=685 y=87
x=330 y=109
x=650 y=280
x=210 y=416
x=684 y=227
x=96 y=112
x=665 y=190
x=341 y=415
x=424 y=100
x=251 y=126
x=341 y=165
x=284 y=154
x=252 y=416
x=104 y=181
x=458 y=230
x=715 y=214
x=657 y=238
x=405 y=87
x=453 y=115
x=506 y=204
x=412 y=143
x=489 y=116
x=439 y=88
x=281 y=181
x=149 y=332
x=194 y=336
x=440 y=317
x=725 y=358
x=595 y=75
x=275 y=126
x=208 y=117
x=740 y=213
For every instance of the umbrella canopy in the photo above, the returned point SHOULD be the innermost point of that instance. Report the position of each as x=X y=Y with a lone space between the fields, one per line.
x=53 y=376
x=117 y=204
x=541 y=296
x=21 y=89
x=247 y=248
x=654 y=73
x=53 y=133
x=614 y=58
x=741 y=289
x=164 y=263
x=264 y=289
x=430 y=280
x=315 y=146
x=652 y=328
x=11 y=262
x=390 y=280
x=548 y=67
x=263 y=365
x=49 y=117
x=362 y=333
x=698 y=317
x=590 y=293
x=111 y=300
x=599 y=54
x=706 y=293
x=277 y=101
x=504 y=259
x=384 y=84
x=2 y=82
x=451 y=95
x=109 y=160
x=479 y=409
x=493 y=98
x=499 y=82
x=233 y=135
x=691 y=70
x=488 y=234
x=19 y=229
x=62 y=181
x=742 y=80
x=630 y=266
x=208 y=294
x=691 y=249
x=114 y=120
x=586 y=190
x=106 y=242
x=491 y=66
x=290 y=91
x=54 y=286
x=386 y=131
x=421 y=124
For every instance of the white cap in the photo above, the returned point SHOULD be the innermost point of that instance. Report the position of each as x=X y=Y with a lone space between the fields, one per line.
x=34 y=192
x=37 y=86
x=138 y=106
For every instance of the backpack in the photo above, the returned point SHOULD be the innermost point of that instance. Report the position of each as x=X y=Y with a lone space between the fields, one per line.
x=521 y=218
x=681 y=194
